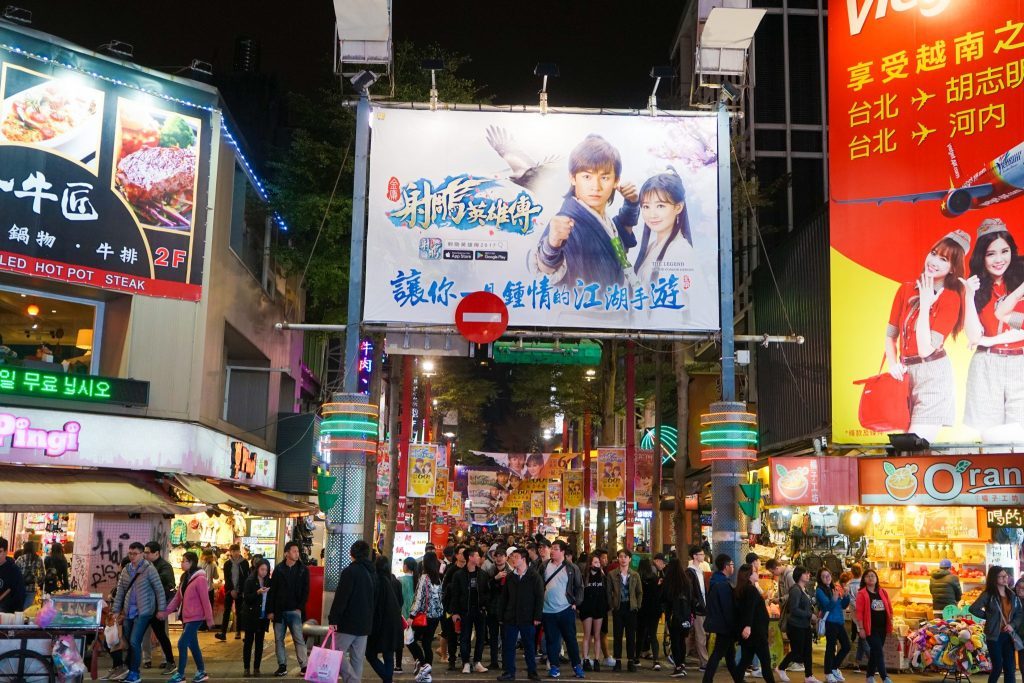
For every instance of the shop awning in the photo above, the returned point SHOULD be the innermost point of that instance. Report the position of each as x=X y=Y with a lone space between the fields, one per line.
x=42 y=489
x=200 y=489
x=266 y=504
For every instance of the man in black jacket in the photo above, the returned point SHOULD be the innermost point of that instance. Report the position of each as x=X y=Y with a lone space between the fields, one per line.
x=521 y=604
x=352 y=611
x=469 y=591
x=449 y=638
x=159 y=627
x=721 y=618
x=236 y=571
x=499 y=574
x=286 y=605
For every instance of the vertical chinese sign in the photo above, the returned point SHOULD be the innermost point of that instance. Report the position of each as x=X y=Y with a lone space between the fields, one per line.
x=926 y=113
x=101 y=184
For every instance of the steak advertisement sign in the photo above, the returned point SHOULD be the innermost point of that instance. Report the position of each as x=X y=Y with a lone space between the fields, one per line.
x=101 y=184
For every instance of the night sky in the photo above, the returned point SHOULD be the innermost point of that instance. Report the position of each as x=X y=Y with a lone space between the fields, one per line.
x=604 y=49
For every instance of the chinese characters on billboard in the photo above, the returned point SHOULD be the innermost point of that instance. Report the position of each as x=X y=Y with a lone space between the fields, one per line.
x=927 y=171
x=100 y=184
x=574 y=220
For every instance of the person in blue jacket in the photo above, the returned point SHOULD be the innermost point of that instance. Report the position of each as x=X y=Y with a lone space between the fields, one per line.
x=721 y=618
x=832 y=601
x=582 y=242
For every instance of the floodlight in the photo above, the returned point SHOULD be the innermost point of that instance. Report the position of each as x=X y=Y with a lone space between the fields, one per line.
x=544 y=70
x=18 y=15
x=119 y=48
x=363 y=80
x=658 y=73
x=908 y=443
x=433 y=65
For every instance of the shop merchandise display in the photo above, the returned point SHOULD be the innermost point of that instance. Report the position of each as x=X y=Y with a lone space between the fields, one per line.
x=953 y=646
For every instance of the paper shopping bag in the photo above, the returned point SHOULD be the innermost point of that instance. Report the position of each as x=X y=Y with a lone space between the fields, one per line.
x=324 y=665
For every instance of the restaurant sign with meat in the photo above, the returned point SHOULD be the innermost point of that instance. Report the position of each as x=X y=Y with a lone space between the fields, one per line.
x=104 y=171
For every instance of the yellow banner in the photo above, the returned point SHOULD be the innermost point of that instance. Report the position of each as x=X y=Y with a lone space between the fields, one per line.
x=440 y=487
x=611 y=474
x=457 y=508
x=572 y=489
x=537 y=504
x=553 y=498
x=422 y=471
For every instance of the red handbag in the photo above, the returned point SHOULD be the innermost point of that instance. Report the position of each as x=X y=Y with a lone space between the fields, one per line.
x=884 y=403
x=420 y=620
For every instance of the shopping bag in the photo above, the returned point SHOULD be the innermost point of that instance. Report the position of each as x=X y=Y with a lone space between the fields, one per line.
x=885 y=403
x=324 y=665
x=114 y=638
x=408 y=636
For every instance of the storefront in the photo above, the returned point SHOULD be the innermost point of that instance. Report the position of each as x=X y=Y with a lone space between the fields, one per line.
x=96 y=483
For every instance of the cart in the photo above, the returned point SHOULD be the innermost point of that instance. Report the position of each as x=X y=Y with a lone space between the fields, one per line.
x=25 y=651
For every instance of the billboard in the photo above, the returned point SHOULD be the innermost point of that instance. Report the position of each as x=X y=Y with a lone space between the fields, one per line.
x=574 y=220
x=926 y=165
x=101 y=184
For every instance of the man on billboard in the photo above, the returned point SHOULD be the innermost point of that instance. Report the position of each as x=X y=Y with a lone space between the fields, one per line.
x=581 y=242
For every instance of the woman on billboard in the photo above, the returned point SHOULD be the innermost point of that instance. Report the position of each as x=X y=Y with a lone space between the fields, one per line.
x=666 y=235
x=995 y=379
x=913 y=342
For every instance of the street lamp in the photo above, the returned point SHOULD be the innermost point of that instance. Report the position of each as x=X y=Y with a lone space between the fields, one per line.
x=591 y=374
x=545 y=69
x=429 y=368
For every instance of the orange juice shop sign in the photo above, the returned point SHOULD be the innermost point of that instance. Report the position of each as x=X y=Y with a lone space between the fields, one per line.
x=983 y=480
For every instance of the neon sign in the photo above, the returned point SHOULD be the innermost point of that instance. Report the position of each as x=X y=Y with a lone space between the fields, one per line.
x=19 y=381
x=55 y=442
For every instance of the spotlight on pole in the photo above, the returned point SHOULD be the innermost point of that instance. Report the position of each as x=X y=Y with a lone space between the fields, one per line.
x=433 y=66
x=363 y=80
x=545 y=69
x=658 y=73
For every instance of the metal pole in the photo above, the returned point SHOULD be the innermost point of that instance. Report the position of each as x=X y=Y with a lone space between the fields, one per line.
x=630 y=515
x=725 y=474
x=355 y=261
x=405 y=432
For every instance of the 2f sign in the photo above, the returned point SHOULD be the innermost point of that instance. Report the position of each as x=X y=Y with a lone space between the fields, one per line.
x=859 y=10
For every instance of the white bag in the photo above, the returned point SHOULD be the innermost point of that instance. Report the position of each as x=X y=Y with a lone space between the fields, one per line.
x=112 y=636
x=408 y=635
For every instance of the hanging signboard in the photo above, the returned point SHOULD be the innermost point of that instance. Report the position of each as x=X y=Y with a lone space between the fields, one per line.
x=611 y=474
x=422 y=470
x=572 y=487
x=975 y=480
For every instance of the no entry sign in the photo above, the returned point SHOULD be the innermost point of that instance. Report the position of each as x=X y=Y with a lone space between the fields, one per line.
x=481 y=317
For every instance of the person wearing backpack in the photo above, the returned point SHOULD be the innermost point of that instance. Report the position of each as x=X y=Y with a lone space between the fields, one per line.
x=796 y=620
x=685 y=602
x=193 y=604
x=721 y=618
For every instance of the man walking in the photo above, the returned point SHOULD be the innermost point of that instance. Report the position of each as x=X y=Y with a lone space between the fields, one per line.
x=139 y=596
x=498 y=576
x=563 y=591
x=522 y=605
x=469 y=593
x=352 y=611
x=236 y=571
x=159 y=626
x=698 y=635
x=721 y=618
x=289 y=590
x=449 y=637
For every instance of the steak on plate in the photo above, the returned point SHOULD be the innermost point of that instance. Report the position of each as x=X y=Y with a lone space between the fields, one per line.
x=154 y=174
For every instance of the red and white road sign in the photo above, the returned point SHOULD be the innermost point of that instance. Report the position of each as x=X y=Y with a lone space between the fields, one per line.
x=481 y=317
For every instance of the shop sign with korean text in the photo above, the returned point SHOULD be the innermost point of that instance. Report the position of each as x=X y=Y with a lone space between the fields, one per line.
x=556 y=214
x=977 y=480
x=101 y=185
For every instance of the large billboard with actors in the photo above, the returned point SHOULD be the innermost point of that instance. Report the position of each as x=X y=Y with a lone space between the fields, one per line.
x=926 y=163
x=104 y=170
x=574 y=220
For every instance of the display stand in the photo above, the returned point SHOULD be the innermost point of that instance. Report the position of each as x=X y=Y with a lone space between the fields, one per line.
x=25 y=651
x=958 y=676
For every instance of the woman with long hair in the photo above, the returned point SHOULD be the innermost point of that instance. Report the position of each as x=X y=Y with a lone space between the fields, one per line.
x=995 y=395
x=798 y=618
x=666 y=234
x=426 y=602
x=650 y=610
x=752 y=624
x=914 y=342
x=193 y=602
x=56 y=566
x=1019 y=590
x=1001 y=609
x=386 y=634
x=253 y=615
x=874 y=623
x=683 y=600
x=593 y=611
x=832 y=601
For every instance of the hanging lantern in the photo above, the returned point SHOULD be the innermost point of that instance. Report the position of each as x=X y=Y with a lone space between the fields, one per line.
x=349 y=424
x=728 y=432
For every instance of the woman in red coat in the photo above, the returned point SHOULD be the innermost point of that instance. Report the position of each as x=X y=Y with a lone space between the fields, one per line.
x=874 y=622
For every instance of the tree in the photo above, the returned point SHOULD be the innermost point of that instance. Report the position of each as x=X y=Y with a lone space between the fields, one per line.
x=311 y=179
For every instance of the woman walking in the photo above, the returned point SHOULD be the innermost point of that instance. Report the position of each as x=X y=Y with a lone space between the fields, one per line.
x=426 y=613
x=1001 y=609
x=593 y=612
x=832 y=601
x=408 y=579
x=650 y=610
x=752 y=623
x=684 y=601
x=386 y=633
x=56 y=567
x=873 y=616
x=193 y=604
x=209 y=567
x=798 y=627
x=254 y=615
x=1019 y=590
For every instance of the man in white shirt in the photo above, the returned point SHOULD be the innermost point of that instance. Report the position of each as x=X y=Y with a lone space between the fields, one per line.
x=698 y=637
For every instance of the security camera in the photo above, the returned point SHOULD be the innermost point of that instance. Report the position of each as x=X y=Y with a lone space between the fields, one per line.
x=364 y=79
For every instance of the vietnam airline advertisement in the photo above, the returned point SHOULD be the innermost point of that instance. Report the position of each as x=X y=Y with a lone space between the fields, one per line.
x=926 y=161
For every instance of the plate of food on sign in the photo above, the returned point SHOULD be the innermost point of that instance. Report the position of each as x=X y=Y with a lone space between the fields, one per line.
x=155 y=165
x=58 y=116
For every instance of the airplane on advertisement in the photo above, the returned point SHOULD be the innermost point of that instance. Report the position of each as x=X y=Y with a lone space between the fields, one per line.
x=1001 y=180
